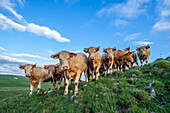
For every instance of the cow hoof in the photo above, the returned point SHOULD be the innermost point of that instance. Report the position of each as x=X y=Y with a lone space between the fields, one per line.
x=50 y=91
x=65 y=93
x=75 y=92
x=30 y=94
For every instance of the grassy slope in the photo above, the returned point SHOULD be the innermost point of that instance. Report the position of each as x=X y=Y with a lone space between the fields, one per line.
x=121 y=92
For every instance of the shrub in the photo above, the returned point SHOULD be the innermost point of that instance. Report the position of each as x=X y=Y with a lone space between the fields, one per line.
x=162 y=64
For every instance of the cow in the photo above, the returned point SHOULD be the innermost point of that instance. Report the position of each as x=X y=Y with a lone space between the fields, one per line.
x=108 y=60
x=143 y=54
x=57 y=73
x=122 y=57
x=73 y=65
x=94 y=61
x=37 y=75
x=133 y=55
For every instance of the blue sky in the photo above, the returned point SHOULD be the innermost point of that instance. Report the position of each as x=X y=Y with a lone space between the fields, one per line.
x=32 y=30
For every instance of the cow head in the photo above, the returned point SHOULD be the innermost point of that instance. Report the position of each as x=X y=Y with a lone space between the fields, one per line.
x=109 y=53
x=114 y=49
x=28 y=68
x=53 y=69
x=91 y=51
x=127 y=49
x=130 y=57
x=64 y=58
x=142 y=50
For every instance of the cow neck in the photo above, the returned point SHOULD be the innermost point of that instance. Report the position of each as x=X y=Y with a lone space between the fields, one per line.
x=33 y=71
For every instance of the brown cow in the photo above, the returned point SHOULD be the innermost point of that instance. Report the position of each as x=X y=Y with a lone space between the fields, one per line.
x=57 y=73
x=37 y=75
x=94 y=61
x=127 y=60
x=122 y=57
x=143 y=54
x=108 y=60
x=73 y=65
x=133 y=55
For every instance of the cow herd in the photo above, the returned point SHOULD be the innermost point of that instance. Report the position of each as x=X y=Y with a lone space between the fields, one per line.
x=73 y=65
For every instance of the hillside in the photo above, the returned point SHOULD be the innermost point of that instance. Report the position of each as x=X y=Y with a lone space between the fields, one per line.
x=129 y=91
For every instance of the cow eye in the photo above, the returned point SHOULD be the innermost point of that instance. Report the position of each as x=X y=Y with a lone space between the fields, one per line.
x=68 y=58
x=59 y=59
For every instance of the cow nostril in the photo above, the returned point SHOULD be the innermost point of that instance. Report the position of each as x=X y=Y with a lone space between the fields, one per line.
x=27 y=75
x=91 y=57
x=65 y=67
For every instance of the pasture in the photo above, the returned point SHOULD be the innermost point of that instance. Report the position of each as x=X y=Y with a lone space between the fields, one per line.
x=122 y=92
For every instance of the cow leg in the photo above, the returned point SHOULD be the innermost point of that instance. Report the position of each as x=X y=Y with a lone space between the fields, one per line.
x=86 y=75
x=137 y=63
x=120 y=67
x=76 y=84
x=53 y=85
x=141 y=61
x=91 y=75
x=31 y=89
x=59 y=82
x=146 y=61
x=66 y=83
x=97 y=72
x=111 y=69
x=39 y=86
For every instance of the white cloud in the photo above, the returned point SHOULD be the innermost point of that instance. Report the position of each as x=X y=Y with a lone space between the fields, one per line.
x=1 y=48
x=49 y=51
x=132 y=36
x=143 y=43
x=128 y=9
x=71 y=2
x=21 y=2
x=163 y=23
x=6 y=23
x=10 y=69
x=45 y=31
x=25 y=55
x=163 y=8
x=161 y=26
x=7 y=59
x=9 y=6
x=119 y=22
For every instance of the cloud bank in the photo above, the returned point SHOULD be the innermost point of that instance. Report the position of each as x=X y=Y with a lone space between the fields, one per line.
x=7 y=23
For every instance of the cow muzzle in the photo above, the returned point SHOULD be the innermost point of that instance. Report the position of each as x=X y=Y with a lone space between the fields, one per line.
x=28 y=75
x=91 y=58
x=65 y=67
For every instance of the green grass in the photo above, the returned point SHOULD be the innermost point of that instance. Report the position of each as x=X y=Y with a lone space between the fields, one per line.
x=121 y=92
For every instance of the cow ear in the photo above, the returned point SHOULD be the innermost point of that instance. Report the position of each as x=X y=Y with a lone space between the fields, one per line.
x=57 y=65
x=45 y=66
x=129 y=53
x=22 y=67
x=55 y=56
x=97 y=48
x=86 y=50
x=104 y=50
x=137 y=49
x=114 y=49
x=34 y=65
x=72 y=55
x=128 y=48
x=147 y=47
